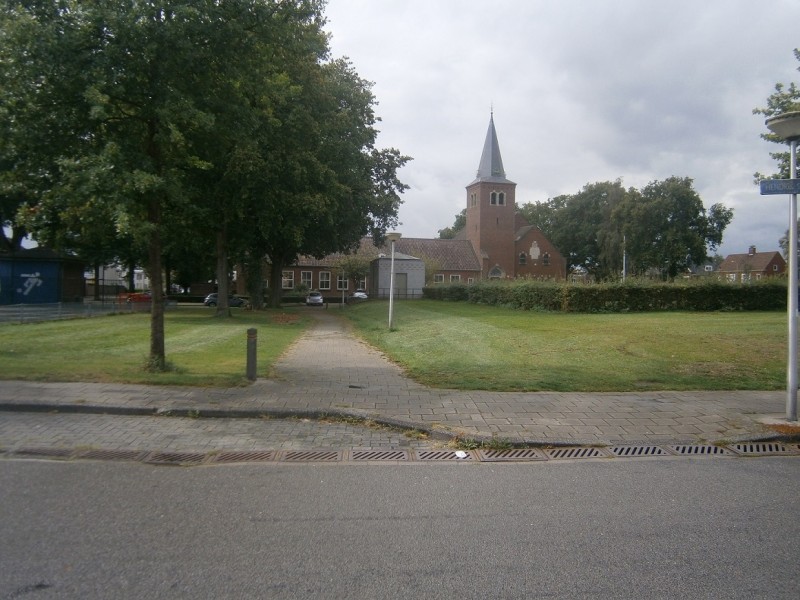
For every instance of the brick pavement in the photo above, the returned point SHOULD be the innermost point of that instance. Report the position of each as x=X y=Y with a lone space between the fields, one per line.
x=329 y=371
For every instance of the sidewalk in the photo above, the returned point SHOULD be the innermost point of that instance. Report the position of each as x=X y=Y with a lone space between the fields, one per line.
x=328 y=371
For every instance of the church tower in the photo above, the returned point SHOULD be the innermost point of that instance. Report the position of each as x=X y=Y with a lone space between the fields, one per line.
x=491 y=209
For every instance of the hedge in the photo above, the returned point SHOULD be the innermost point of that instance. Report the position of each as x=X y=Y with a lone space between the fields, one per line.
x=631 y=296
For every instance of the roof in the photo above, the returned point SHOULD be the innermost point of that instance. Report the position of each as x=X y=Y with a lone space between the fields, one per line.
x=490 y=168
x=450 y=255
x=756 y=262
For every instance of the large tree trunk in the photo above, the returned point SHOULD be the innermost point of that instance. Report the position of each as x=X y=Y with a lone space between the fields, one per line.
x=158 y=360
x=223 y=309
x=275 y=284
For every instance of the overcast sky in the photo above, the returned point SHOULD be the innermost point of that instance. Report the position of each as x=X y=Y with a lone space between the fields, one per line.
x=582 y=91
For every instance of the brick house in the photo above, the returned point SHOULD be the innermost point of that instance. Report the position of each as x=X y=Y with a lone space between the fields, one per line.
x=752 y=266
x=496 y=243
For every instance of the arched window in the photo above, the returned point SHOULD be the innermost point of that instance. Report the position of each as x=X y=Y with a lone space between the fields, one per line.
x=523 y=258
x=546 y=259
x=493 y=198
x=501 y=198
x=496 y=273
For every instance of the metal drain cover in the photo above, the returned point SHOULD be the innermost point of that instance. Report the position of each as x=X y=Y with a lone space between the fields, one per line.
x=447 y=455
x=700 y=450
x=575 y=453
x=176 y=458
x=635 y=451
x=44 y=452
x=97 y=454
x=233 y=456
x=760 y=448
x=379 y=455
x=511 y=455
x=311 y=456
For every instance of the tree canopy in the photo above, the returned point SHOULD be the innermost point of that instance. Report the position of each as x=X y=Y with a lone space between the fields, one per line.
x=186 y=128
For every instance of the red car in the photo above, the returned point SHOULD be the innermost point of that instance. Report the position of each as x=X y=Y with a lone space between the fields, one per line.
x=139 y=297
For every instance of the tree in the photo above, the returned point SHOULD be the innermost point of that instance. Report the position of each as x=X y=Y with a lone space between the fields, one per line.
x=448 y=233
x=668 y=229
x=784 y=99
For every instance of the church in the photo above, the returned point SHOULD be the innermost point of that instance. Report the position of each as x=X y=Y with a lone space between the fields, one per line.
x=497 y=242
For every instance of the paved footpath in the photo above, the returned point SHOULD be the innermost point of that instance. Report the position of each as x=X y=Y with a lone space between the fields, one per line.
x=329 y=371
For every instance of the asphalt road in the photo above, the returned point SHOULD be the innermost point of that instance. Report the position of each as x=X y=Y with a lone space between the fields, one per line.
x=646 y=528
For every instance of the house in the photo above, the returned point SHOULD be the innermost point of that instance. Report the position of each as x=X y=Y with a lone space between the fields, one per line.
x=496 y=242
x=752 y=266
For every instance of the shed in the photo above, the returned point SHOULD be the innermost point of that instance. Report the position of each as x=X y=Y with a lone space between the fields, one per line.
x=40 y=276
x=409 y=276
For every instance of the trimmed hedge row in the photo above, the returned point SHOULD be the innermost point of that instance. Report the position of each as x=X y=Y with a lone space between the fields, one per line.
x=634 y=296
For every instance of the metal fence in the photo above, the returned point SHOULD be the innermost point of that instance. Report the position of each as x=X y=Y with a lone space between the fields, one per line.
x=29 y=313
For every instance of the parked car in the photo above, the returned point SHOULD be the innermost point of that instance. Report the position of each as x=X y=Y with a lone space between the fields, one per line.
x=360 y=294
x=314 y=299
x=235 y=301
x=139 y=297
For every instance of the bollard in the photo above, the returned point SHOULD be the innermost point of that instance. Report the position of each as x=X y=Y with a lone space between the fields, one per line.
x=252 y=339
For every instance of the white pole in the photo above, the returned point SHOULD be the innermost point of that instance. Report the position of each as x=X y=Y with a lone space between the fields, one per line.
x=391 y=289
x=791 y=370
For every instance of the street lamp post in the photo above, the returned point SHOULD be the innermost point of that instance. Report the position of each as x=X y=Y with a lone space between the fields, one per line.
x=787 y=126
x=392 y=237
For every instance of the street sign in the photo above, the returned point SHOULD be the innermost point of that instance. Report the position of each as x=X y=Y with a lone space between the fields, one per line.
x=779 y=186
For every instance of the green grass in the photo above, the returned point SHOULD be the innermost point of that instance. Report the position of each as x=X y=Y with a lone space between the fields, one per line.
x=467 y=346
x=202 y=350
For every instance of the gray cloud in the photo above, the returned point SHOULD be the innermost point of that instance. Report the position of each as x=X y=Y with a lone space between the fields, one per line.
x=582 y=92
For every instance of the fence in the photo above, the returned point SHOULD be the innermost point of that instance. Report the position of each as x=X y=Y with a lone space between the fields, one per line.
x=29 y=313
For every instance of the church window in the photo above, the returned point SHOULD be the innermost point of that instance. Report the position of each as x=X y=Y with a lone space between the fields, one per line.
x=501 y=198
x=523 y=258
x=546 y=259
x=493 y=198
x=496 y=273
x=473 y=199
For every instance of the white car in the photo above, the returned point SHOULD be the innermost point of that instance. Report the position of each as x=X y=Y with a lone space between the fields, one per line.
x=314 y=299
x=360 y=294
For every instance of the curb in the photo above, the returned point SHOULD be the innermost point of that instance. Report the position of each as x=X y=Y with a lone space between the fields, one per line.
x=363 y=416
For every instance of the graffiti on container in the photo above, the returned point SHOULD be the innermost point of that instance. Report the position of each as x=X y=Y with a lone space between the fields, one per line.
x=31 y=281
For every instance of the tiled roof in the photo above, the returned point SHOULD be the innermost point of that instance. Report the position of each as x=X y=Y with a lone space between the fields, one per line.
x=450 y=255
x=757 y=262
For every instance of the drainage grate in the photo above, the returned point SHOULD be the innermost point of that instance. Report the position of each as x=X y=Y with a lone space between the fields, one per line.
x=176 y=458
x=635 y=451
x=362 y=455
x=311 y=456
x=576 y=453
x=44 y=452
x=448 y=455
x=233 y=456
x=759 y=448
x=510 y=455
x=700 y=450
x=98 y=454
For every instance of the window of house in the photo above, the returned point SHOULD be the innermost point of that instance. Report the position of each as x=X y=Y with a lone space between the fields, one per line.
x=305 y=279
x=362 y=284
x=341 y=282
x=287 y=281
x=455 y=278
x=546 y=259
x=325 y=280
x=438 y=278
x=775 y=268
x=470 y=280
x=523 y=258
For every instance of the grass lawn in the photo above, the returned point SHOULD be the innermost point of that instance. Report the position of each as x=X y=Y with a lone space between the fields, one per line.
x=202 y=349
x=467 y=346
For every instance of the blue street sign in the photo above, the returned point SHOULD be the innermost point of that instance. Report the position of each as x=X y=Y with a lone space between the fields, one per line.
x=779 y=186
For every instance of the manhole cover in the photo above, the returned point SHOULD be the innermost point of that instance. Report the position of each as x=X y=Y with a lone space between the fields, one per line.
x=761 y=448
x=557 y=453
x=381 y=455
x=635 y=451
x=311 y=456
x=511 y=455
x=446 y=455
x=232 y=456
x=700 y=450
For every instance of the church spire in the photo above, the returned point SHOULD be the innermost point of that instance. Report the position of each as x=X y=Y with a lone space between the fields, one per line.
x=491 y=165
